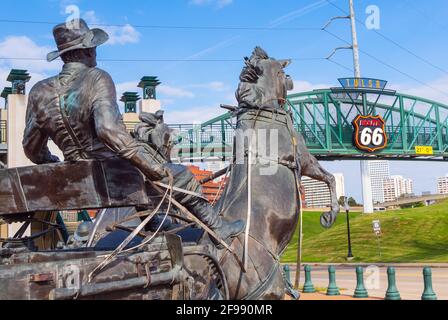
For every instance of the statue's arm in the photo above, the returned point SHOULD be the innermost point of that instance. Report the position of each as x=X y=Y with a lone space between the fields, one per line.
x=112 y=132
x=34 y=138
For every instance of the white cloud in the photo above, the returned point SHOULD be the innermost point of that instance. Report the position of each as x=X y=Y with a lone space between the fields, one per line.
x=217 y=3
x=163 y=90
x=213 y=86
x=436 y=90
x=126 y=86
x=298 y=13
x=117 y=34
x=175 y=92
x=219 y=46
x=24 y=47
x=304 y=86
x=193 y=115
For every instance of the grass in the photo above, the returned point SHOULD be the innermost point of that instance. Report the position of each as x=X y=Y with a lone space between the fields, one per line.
x=409 y=235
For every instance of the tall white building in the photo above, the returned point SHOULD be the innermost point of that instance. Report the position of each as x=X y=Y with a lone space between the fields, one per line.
x=442 y=185
x=408 y=186
x=317 y=193
x=340 y=184
x=396 y=186
x=379 y=170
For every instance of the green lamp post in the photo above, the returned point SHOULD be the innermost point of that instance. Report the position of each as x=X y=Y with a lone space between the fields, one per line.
x=18 y=79
x=130 y=101
x=149 y=85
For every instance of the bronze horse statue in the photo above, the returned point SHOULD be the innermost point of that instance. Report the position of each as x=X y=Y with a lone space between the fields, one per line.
x=275 y=197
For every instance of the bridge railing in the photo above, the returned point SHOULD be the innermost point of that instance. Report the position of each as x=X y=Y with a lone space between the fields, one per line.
x=325 y=119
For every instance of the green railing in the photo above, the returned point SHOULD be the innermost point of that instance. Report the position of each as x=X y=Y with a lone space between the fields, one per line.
x=325 y=120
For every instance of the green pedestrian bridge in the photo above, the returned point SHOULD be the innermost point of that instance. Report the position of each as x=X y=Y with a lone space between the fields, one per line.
x=324 y=117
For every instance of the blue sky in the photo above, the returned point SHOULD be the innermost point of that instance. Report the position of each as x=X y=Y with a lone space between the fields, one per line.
x=193 y=90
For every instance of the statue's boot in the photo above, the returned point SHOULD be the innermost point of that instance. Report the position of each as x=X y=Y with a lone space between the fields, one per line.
x=223 y=229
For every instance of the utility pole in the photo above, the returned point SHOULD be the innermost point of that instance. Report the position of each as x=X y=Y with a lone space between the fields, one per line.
x=365 y=174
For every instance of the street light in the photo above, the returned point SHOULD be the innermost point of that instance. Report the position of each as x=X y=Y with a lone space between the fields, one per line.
x=347 y=211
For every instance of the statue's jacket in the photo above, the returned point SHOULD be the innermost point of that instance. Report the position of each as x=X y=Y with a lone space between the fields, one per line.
x=87 y=97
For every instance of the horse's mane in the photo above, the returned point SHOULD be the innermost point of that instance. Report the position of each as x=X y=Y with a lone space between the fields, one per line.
x=249 y=93
x=251 y=72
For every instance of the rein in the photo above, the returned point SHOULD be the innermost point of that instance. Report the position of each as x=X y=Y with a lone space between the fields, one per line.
x=292 y=165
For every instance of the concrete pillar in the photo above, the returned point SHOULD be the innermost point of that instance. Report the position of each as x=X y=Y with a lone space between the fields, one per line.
x=149 y=86
x=130 y=116
x=15 y=127
x=366 y=182
x=150 y=105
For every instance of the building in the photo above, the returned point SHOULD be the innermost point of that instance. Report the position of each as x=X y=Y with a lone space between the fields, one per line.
x=442 y=185
x=379 y=170
x=212 y=189
x=408 y=186
x=317 y=193
x=215 y=166
x=395 y=187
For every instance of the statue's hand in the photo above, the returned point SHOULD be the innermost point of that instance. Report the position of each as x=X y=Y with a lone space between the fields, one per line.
x=53 y=159
x=157 y=172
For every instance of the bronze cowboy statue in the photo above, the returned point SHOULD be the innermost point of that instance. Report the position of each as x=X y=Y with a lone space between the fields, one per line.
x=77 y=109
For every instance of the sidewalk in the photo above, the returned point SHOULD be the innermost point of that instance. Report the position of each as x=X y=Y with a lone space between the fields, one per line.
x=323 y=296
x=409 y=279
x=378 y=264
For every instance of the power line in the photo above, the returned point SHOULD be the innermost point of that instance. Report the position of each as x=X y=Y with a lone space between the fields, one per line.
x=426 y=16
x=177 y=27
x=157 y=60
x=340 y=64
x=390 y=66
x=394 y=42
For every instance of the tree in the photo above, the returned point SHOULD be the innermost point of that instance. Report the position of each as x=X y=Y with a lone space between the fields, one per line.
x=351 y=202
x=412 y=205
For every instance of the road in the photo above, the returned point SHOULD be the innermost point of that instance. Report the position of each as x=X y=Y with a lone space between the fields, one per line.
x=409 y=280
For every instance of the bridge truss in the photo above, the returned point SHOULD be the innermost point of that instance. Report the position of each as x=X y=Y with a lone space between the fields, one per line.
x=324 y=117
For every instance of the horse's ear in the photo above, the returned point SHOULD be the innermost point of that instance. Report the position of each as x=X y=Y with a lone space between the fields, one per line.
x=159 y=115
x=148 y=118
x=285 y=63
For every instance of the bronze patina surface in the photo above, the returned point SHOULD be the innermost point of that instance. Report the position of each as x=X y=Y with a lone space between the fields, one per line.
x=79 y=185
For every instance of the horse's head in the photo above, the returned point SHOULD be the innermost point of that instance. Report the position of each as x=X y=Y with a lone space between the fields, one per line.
x=154 y=131
x=263 y=81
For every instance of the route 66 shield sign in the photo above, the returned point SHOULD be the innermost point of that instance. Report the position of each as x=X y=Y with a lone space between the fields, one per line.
x=369 y=134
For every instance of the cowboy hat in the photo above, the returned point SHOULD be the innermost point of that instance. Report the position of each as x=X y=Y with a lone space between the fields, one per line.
x=76 y=35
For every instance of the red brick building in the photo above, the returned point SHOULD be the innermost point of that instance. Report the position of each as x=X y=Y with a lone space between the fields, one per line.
x=211 y=189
